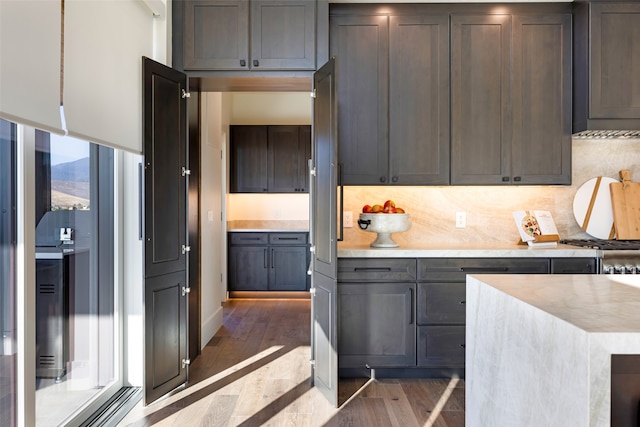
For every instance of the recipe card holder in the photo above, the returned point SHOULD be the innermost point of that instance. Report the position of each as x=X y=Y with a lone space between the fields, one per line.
x=542 y=240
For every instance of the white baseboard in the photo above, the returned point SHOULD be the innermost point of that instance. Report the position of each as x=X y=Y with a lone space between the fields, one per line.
x=210 y=326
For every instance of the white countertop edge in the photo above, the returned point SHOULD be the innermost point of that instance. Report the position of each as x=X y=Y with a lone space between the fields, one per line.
x=267 y=230
x=463 y=250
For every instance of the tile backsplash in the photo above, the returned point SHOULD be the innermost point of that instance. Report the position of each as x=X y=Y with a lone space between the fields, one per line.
x=488 y=208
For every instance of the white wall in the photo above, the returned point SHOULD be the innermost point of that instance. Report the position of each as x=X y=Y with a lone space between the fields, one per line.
x=269 y=108
x=212 y=227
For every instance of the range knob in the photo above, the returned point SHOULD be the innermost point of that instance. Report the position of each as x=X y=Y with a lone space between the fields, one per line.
x=619 y=269
x=607 y=269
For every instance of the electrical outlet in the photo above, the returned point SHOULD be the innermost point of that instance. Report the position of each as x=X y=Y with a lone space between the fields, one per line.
x=348 y=219
x=461 y=219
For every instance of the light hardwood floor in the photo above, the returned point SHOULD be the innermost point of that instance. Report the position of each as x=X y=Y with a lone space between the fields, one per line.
x=255 y=371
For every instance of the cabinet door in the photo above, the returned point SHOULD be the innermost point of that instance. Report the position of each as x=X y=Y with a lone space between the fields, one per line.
x=248 y=268
x=248 y=159
x=377 y=326
x=542 y=99
x=283 y=161
x=441 y=346
x=615 y=60
x=216 y=35
x=480 y=99
x=361 y=47
x=283 y=34
x=419 y=99
x=443 y=303
x=304 y=154
x=288 y=268
x=574 y=265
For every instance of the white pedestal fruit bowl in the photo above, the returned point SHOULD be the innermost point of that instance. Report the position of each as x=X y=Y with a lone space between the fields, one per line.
x=384 y=225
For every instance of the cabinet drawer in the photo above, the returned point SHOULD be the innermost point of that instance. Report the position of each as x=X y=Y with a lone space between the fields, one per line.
x=288 y=238
x=376 y=270
x=441 y=303
x=249 y=238
x=573 y=266
x=441 y=346
x=456 y=269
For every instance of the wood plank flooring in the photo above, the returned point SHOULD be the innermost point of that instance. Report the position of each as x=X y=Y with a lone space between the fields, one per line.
x=255 y=372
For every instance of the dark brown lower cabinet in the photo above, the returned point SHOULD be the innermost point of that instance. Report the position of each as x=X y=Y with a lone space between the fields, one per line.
x=406 y=316
x=441 y=346
x=377 y=325
x=268 y=261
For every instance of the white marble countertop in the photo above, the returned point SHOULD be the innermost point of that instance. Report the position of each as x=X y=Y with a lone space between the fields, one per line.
x=539 y=347
x=600 y=303
x=463 y=250
x=267 y=226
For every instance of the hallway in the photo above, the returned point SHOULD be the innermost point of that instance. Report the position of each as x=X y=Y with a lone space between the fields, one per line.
x=255 y=371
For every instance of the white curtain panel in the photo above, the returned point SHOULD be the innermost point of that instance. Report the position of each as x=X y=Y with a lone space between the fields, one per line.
x=30 y=46
x=104 y=41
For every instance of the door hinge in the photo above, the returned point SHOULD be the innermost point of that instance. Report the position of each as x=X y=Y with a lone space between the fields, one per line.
x=185 y=362
x=185 y=290
x=312 y=362
x=312 y=171
x=312 y=291
x=186 y=171
x=313 y=94
x=185 y=249
x=185 y=94
x=312 y=249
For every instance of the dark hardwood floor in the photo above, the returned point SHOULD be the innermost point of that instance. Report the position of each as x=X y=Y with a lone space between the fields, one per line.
x=255 y=371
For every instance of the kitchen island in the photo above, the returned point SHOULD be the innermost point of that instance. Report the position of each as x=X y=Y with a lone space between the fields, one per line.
x=539 y=347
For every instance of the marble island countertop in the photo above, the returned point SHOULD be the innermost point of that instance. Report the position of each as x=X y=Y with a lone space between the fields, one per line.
x=539 y=347
x=463 y=250
x=594 y=303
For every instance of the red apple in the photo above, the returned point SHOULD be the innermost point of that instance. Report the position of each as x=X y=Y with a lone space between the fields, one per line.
x=366 y=209
x=389 y=209
x=390 y=203
x=399 y=210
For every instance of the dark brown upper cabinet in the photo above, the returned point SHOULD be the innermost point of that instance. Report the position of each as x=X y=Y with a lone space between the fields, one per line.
x=606 y=93
x=453 y=94
x=511 y=85
x=393 y=98
x=270 y=159
x=245 y=35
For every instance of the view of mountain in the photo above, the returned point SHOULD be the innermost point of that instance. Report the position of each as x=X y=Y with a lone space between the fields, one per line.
x=71 y=171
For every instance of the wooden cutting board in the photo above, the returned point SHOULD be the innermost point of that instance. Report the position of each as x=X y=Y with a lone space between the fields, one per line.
x=592 y=207
x=625 y=201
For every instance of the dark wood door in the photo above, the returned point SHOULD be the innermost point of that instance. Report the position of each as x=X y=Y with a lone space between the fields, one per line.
x=249 y=267
x=304 y=151
x=283 y=164
x=377 y=326
x=323 y=235
x=419 y=99
x=541 y=147
x=360 y=45
x=283 y=34
x=165 y=228
x=288 y=268
x=249 y=159
x=615 y=60
x=480 y=99
x=216 y=35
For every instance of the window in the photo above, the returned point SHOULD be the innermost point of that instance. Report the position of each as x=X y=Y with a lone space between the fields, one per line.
x=75 y=281
x=8 y=348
